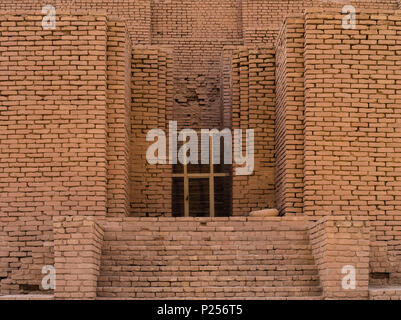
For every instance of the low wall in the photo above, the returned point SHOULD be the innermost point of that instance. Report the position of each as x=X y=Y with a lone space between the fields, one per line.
x=338 y=242
x=236 y=257
x=77 y=250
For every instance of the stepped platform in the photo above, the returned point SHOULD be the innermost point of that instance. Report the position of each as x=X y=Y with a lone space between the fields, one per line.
x=207 y=258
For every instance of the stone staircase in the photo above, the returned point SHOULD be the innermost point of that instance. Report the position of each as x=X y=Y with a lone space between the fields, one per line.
x=236 y=258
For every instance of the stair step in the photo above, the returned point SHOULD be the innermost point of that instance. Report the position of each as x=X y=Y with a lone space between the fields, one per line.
x=385 y=293
x=217 y=292
x=157 y=280
x=173 y=278
x=271 y=266
x=210 y=267
x=317 y=297
x=27 y=297
x=299 y=259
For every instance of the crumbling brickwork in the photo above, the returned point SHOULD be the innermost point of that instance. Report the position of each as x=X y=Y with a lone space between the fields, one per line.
x=390 y=293
x=197 y=31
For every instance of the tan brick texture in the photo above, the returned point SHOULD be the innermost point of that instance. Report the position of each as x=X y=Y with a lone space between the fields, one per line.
x=339 y=242
x=77 y=251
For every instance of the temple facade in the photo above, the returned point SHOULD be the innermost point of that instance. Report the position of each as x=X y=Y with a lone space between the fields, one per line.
x=308 y=90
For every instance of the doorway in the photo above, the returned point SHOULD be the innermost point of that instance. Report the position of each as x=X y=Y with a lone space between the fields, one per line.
x=202 y=190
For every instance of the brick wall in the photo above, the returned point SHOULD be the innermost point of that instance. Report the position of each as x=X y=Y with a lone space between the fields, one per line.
x=289 y=117
x=197 y=31
x=53 y=133
x=136 y=13
x=66 y=119
x=253 y=108
x=352 y=125
x=262 y=19
x=77 y=250
x=150 y=185
x=338 y=242
x=226 y=86
x=118 y=117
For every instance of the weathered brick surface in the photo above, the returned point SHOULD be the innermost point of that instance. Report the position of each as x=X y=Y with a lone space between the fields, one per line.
x=262 y=19
x=150 y=185
x=118 y=117
x=235 y=257
x=77 y=250
x=253 y=102
x=352 y=125
x=338 y=242
x=136 y=13
x=289 y=117
x=197 y=31
x=388 y=293
x=53 y=133
x=76 y=103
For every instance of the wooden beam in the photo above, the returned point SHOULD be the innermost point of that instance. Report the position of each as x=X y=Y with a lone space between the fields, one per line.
x=186 y=186
x=211 y=179
x=199 y=175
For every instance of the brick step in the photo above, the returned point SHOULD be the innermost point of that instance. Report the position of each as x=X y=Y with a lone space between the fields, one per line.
x=209 y=249
x=385 y=293
x=195 y=241
x=195 y=265
x=27 y=297
x=210 y=225
x=318 y=297
x=210 y=267
x=211 y=260
x=144 y=256
x=155 y=280
x=235 y=269
x=208 y=292
x=206 y=247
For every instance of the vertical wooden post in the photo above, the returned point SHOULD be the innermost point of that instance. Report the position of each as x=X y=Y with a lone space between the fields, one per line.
x=186 y=185
x=211 y=179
